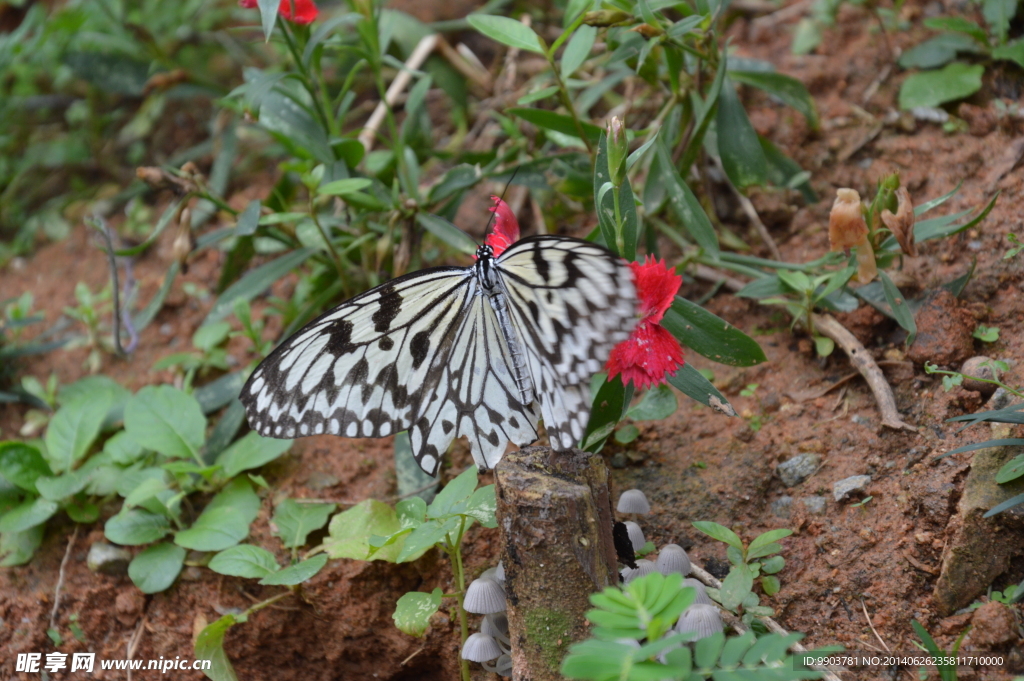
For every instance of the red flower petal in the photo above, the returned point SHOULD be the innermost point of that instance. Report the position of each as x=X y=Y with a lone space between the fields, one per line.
x=506 y=227
x=305 y=11
x=649 y=355
x=656 y=286
x=247 y=4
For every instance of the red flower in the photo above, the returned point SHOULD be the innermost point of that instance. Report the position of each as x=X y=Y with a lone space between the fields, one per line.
x=506 y=227
x=299 y=11
x=651 y=352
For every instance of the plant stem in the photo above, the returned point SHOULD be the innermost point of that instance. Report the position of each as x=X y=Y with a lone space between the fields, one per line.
x=460 y=581
x=342 y=275
x=320 y=106
x=620 y=241
x=563 y=94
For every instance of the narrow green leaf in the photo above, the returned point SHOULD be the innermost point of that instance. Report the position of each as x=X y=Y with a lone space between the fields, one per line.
x=788 y=89
x=578 y=49
x=958 y=24
x=507 y=32
x=684 y=203
x=298 y=573
x=155 y=569
x=255 y=282
x=410 y=477
x=550 y=120
x=900 y=309
x=691 y=383
x=742 y=157
x=710 y=335
x=769 y=537
x=268 y=16
x=344 y=187
x=447 y=232
x=609 y=404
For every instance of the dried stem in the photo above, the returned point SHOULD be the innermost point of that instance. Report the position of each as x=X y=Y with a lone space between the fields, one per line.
x=60 y=578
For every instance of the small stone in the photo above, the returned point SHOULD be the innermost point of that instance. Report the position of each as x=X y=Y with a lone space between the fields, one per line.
x=814 y=446
x=619 y=460
x=799 y=468
x=843 y=488
x=815 y=505
x=1001 y=399
x=993 y=626
x=108 y=559
x=320 y=481
x=860 y=420
x=782 y=507
x=191 y=573
x=978 y=366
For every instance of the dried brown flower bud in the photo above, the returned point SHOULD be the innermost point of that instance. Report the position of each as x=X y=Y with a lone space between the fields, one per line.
x=902 y=223
x=648 y=31
x=847 y=229
x=606 y=17
x=152 y=176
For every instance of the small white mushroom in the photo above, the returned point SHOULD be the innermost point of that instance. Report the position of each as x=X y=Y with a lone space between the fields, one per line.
x=496 y=625
x=501 y=667
x=705 y=620
x=673 y=558
x=484 y=596
x=490 y=573
x=643 y=568
x=499 y=574
x=636 y=535
x=480 y=648
x=702 y=597
x=633 y=501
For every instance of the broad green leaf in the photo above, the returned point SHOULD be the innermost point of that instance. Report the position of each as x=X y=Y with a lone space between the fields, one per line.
x=773 y=565
x=938 y=51
x=786 y=88
x=710 y=335
x=350 y=531
x=610 y=402
x=414 y=610
x=998 y=14
x=85 y=513
x=719 y=532
x=807 y=36
x=294 y=521
x=1011 y=51
x=252 y=562
x=932 y=88
x=481 y=507
x=136 y=526
x=210 y=646
x=98 y=388
x=736 y=586
x=447 y=232
x=155 y=569
x=507 y=32
x=691 y=383
x=550 y=120
x=225 y=520
x=74 y=428
x=256 y=282
x=251 y=451
x=423 y=538
x=62 y=486
x=742 y=157
x=298 y=573
x=626 y=434
x=684 y=203
x=458 y=490
x=900 y=309
x=1011 y=470
x=28 y=514
x=123 y=449
x=17 y=548
x=657 y=403
x=22 y=464
x=769 y=537
x=166 y=420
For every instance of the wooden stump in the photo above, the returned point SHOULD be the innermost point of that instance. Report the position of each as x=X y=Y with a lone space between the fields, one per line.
x=555 y=522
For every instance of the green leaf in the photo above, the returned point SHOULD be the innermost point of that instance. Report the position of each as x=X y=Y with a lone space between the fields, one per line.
x=155 y=569
x=959 y=25
x=609 y=404
x=85 y=513
x=550 y=120
x=710 y=335
x=986 y=334
x=344 y=187
x=294 y=521
x=481 y=507
x=210 y=646
x=252 y=562
x=166 y=420
x=736 y=586
x=424 y=537
x=657 y=403
x=807 y=36
x=414 y=610
x=786 y=88
x=626 y=434
x=22 y=464
x=256 y=282
x=578 y=49
x=225 y=520
x=135 y=526
x=938 y=51
x=932 y=88
x=900 y=309
x=123 y=449
x=458 y=490
x=773 y=565
x=268 y=16
x=692 y=383
x=350 y=531
x=457 y=179
x=507 y=32
x=1011 y=51
x=63 y=486
x=251 y=451
x=767 y=538
x=447 y=232
x=298 y=573
x=28 y=514
x=998 y=14
x=684 y=203
x=941 y=227
x=17 y=548
x=1011 y=470
x=742 y=157
x=73 y=429
x=719 y=532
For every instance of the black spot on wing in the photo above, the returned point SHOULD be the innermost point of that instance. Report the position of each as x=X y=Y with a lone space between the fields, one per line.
x=541 y=263
x=447 y=426
x=419 y=346
x=386 y=343
x=358 y=374
x=390 y=304
x=340 y=342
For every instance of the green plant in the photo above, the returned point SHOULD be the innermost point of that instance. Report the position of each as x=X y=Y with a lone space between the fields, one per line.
x=987 y=334
x=749 y=562
x=862 y=503
x=947 y=670
x=1018 y=246
x=1008 y=596
x=951 y=379
x=643 y=612
x=91 y=307
x=959 y=36
x=208 y=340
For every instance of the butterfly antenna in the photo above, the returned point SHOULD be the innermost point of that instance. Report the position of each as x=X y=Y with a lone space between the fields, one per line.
x=502 y=198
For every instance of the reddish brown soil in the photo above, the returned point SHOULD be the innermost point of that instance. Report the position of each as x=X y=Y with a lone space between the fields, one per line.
x=880 y=558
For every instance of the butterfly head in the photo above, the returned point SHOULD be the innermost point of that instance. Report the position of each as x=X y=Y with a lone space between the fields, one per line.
x=485 y=251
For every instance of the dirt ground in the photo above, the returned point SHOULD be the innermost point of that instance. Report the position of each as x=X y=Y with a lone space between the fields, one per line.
x=855 y=575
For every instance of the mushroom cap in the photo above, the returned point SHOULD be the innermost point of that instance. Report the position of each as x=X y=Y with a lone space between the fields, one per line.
x=480 y=648
x=643 y=568
x=633 y=501
x=673 y=558
x=490 y=573
x=705 y=620
x=503 y=666
x=495 y=624
x=499 y=573
x=636 y=535
x=484 y=596
x=702 y=597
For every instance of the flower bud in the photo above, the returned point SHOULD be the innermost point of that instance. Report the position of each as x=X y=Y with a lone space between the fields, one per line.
x=648 y=31
x=902 y=223
x=605 y=17
x=847 y=229
x=618 y=149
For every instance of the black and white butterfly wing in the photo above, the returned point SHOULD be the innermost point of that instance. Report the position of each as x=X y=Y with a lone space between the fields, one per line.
x=571 y=302
x=367 y=368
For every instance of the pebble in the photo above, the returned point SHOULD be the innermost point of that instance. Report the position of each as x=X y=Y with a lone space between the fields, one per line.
x=108 y=559
x=321 y=481
x=978 y=366
x=860 y=420
x=993 y=626
x=815 y=505
x=843 y=488
x=619 y=460
x=782 y=507
x=799 y=468
x=1001 y=399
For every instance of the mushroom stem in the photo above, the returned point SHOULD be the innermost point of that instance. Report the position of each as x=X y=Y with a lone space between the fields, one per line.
x=455 y=554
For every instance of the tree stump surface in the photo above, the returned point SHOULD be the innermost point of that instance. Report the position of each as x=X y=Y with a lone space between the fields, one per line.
x=555 y=521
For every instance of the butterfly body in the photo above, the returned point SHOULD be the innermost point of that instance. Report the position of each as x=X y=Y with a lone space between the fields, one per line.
x=482 y=351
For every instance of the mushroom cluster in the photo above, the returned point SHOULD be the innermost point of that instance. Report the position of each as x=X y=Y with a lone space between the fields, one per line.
x=703 y=616
x=486 y=596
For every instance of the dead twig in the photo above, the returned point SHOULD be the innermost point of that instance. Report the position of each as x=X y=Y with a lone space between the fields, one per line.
x=829 y=326
x=755 y=219
x=714 y=276
x=60 y=578
x=466 y=67
x=710 y=580
x=873 y=630
x=133 y=642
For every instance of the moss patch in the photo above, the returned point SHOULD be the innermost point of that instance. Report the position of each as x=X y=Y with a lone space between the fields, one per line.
x=551 y=631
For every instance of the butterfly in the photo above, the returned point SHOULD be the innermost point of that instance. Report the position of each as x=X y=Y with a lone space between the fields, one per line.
x=482 y=351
